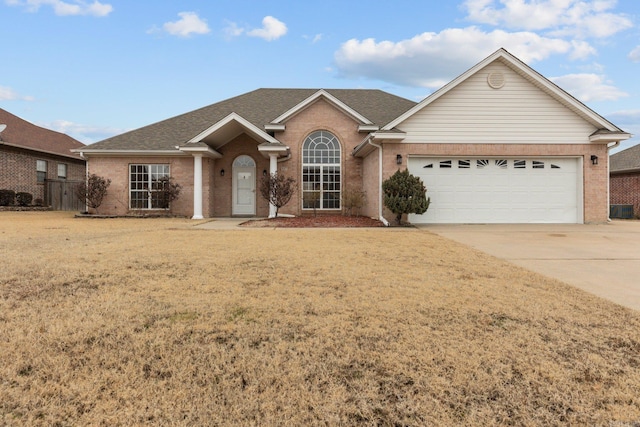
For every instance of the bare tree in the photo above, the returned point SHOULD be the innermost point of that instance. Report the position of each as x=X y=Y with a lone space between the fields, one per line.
x=93 y=190
x=277 y=189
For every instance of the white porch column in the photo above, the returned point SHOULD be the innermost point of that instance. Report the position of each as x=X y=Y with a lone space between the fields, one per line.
x=273 y=168
x=197 y=186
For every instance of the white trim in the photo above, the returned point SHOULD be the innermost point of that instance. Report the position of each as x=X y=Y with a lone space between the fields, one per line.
x=609 y=137
x=511 y=61
x=273 y=169
x=146 y=153
x=368 y=128
x=275 y=148
x=332 y=99
x=274 y=127
x=361 y=148
x=205 y=151
x=231 y=118
x=234 y=185
x=197 y=186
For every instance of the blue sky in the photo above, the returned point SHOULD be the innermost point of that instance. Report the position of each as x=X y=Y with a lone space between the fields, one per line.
x=95 y=68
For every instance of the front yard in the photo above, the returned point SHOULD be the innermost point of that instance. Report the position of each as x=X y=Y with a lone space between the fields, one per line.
x=150 y=321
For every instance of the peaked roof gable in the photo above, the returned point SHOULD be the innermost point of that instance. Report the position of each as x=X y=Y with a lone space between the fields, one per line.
x=310 y=100
x=536 y=79
x=23 y=134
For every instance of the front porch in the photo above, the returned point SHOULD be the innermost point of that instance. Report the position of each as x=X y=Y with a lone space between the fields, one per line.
x=237 y=155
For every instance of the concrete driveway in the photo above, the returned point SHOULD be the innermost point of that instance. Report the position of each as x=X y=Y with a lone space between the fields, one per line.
x=601 y=259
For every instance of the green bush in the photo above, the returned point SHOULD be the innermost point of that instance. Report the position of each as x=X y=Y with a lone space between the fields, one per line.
x=7 y=197
x=405 y=194
x=24 y=199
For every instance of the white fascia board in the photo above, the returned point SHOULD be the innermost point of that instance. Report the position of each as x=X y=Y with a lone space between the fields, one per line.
x=513 y=62
x=205 y=151
x=368 y=128
x=363 y=148
x=240 y=120
x=275 y=148
x=120 y=153
x=395 y=136
x=358 y=148
x=609 y=137
x=332 y=99
x=274 y=127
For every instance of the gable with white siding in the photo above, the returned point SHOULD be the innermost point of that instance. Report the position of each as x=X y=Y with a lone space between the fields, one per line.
x=517 y=111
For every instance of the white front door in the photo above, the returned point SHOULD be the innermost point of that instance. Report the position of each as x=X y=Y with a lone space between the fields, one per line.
x=244 y=186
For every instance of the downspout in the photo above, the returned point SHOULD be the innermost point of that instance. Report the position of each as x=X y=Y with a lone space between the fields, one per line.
x=379 y=147
x=284 y=159
x=609 y=147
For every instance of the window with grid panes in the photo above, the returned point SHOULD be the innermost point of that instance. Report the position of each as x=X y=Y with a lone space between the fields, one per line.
x=144 y=183
x=321 y=172
x=41 y=170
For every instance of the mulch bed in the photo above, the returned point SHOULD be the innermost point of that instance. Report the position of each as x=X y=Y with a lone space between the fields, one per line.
x=320 y=221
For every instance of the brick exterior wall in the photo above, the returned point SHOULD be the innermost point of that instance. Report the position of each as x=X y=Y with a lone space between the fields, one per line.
x=357 y=173
x=625 y=190
x=595 y=177
x=370 y=182
x=320 y=116
x=116 y=202
x=18 y=170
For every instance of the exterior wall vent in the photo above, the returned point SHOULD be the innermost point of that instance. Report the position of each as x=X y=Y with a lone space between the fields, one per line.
x=496 y=80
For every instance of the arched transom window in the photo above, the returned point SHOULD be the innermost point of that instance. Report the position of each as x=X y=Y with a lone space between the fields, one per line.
x=321 y=177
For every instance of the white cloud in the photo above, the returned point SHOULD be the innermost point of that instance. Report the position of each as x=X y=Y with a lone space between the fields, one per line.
x=87 y=134
x=62 y=8
x=634 y=55
x=272 y=29
x=233 y=30
x=589 y=87
x=188 y=24
x=579 y=18
x=314 y=39
x=432 y=59
x=8 y=94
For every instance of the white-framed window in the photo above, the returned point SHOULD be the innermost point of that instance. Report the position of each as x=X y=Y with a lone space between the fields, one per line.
x=145 y=181
x=62 y=171
x=321 y=172
x=41 y=170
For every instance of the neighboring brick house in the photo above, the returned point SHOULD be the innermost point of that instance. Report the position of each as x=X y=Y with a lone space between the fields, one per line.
x=500 y=143
x=31 y=156
x=624 y=186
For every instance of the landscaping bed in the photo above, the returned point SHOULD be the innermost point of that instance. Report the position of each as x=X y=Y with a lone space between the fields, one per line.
x=321 y=221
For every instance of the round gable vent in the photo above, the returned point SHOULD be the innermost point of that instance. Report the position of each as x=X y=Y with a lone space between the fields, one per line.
x=496 y=80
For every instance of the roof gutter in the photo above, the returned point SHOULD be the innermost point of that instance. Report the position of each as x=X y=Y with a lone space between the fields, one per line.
x=379 y=147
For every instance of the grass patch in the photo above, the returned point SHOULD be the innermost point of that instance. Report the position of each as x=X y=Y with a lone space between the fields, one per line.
x=148 y=321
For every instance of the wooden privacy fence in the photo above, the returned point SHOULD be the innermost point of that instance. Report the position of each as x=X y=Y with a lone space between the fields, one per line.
x=61 y=195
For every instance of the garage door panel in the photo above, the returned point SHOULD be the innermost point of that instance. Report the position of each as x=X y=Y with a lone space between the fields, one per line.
x=492 y=190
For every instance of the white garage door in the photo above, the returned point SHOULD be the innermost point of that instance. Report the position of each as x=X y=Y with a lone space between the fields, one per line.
x=499 y=190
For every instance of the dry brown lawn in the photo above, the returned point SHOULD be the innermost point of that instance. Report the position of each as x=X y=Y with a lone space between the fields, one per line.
x=154 y=322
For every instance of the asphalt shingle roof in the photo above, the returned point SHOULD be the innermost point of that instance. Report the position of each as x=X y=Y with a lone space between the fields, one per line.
x=22 y=133
x=628 y=159
x=260 y=107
